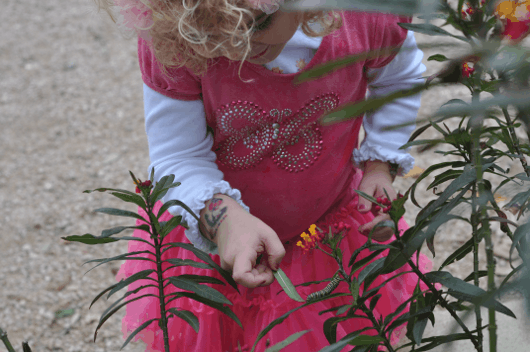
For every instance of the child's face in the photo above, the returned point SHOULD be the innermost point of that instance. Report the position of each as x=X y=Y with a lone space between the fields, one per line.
x=281 y=28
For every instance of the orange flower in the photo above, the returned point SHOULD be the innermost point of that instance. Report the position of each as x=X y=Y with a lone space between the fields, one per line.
x=515 y=15
x=310 y=241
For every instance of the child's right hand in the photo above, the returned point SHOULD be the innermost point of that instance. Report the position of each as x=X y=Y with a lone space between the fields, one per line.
x=241 y=238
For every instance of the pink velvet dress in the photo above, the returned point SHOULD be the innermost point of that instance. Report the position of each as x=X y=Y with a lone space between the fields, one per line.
x=292 y=172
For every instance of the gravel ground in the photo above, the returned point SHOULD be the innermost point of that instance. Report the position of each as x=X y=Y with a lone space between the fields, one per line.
x=72 y=119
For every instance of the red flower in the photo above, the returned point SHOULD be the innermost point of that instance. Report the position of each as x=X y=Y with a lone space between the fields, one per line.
x=142 y=185
x=516 y=30
x=467 y=70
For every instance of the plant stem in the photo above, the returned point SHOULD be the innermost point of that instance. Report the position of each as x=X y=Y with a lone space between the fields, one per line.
x=515 y=141
x=478 y=313
x=443 y=303
x=476 y=129
x=376 y=325
x=5 y=340
x=365 y=309
x=162 y=297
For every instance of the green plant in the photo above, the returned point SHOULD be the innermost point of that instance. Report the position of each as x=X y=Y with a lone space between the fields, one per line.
x=485 y=135
x=148 y=193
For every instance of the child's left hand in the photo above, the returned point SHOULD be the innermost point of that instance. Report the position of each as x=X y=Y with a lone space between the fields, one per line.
x=376 y=179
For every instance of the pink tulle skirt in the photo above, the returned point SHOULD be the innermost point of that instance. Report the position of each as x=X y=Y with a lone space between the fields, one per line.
x=256 y=308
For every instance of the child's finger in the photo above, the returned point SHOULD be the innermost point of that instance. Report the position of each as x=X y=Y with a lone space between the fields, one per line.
x=243 y=272
x=366 y=228
x=365 y=205
x=275 y=250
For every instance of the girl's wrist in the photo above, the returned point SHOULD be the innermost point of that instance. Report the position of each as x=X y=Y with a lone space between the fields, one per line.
x=214 y=214
x=379 y=166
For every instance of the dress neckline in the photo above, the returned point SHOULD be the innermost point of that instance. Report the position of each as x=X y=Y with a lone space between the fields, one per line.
x=317 y=58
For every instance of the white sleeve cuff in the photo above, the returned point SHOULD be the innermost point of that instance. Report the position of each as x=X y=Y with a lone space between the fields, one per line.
x=375 y=152
x=197 y=204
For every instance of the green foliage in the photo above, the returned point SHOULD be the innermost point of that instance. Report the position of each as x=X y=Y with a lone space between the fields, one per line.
x=192 y=286
x=500 y=70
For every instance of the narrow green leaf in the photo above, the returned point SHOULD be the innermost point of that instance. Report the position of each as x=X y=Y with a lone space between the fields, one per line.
x=124 y=256
x=467 y=177
x=152 y=175
x=118 y=229
x=287 y=285
x=394 y=260
x=137 y=276
x=458 y=254
x=406 y=316
x=363 y=340
x=404 y=7
x=467 y=292
x=187 y=316
x=202 y=290
x=280 y=345
x=330 y=328
x=366 y=196
x=202 y=279
x=280 y=320
x=353 y=110
x=206 y=258
x=481 y=273
x=373 y=301
x=133 y=334
x=119 y=212
x=358 y=264
x=355 y=254
x=438 y=340
x=215 y=305
x=437 y=57
x=135 y=180
x=517 y=98
x=521 y=232
x=430 y=29
x=371 y=268
x=108 y=313
x=110 y=189
x=444 y=177
x=135 y=199
x=64 y=313
x=170 y=226
x=161 y=187
x=188 y=262
x=166 y=206
x=89 y=239
x=507 y=278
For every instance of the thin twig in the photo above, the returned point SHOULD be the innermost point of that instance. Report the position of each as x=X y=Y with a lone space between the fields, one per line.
x=5 y=340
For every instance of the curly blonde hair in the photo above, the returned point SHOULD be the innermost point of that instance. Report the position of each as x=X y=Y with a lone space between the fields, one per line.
x=191 y=32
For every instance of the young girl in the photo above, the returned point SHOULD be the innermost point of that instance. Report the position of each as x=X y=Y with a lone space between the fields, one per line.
x=223 y=115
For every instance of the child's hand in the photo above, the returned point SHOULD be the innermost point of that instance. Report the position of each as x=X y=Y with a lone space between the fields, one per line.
x=376 y=179
x=241 y=238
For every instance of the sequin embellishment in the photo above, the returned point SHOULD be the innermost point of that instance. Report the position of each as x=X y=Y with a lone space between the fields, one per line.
x=293 y=141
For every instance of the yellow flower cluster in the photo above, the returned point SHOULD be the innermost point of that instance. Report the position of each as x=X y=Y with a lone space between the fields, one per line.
x=311 y=240
x=515 y=11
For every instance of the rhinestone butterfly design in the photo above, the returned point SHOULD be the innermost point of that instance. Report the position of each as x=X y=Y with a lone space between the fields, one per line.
x=292 y=141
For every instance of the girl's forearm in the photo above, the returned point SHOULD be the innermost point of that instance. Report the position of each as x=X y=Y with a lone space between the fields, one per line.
x=214 y=214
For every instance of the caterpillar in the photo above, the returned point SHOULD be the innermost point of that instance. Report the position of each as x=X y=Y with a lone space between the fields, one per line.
x=335 y=280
